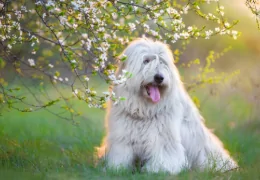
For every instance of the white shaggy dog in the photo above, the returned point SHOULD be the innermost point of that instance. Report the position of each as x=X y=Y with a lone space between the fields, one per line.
x=158 y=125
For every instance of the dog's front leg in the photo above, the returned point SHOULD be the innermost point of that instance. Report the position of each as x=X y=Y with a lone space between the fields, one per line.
x=119 y=156
x=167 y=158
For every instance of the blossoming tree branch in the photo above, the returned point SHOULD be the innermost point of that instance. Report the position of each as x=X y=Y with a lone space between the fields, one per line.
x=64 y=44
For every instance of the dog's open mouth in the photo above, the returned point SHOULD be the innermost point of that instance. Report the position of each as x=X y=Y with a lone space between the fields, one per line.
x=153 y=92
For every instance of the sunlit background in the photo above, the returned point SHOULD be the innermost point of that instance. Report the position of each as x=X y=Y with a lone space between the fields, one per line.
x=36 y=143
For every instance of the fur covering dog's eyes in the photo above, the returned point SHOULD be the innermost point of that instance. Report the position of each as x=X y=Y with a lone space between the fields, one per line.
x=146 y=61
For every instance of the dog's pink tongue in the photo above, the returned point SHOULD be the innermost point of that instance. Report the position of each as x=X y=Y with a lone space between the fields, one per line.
x=154 y=93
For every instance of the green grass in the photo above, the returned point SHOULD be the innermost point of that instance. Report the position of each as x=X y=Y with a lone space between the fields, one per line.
x=38 y=145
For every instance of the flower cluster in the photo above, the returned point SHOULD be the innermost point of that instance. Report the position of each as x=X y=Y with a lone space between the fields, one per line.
x=70 y=42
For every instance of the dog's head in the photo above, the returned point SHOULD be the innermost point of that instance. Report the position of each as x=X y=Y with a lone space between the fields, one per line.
x=153 y=69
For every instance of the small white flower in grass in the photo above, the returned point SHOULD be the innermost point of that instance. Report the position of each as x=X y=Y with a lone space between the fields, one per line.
x=89 y=98
x=190 y=28
x=221 y=13
x=33 y=52
x=9 y=46
x=31 y=62
x=50 y=65
x=158 y=1
x=60 y=79
x=86 y=78
x=90 y=105
x=1 y=5
x=66 y=79
x=221 y=7
x=55 y=77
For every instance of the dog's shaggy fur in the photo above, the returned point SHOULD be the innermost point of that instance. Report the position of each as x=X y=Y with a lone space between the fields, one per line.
x=158 y=124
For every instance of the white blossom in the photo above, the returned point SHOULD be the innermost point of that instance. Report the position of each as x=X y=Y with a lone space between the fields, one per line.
x=132 y=26
x=176 y=36
x=106 y=93
x=88 y=90
x=208 y=34
x=31 y=62
x=217 y=29
x=227 y=24
x=49 y=3
x=114 y=15
x=73 y=61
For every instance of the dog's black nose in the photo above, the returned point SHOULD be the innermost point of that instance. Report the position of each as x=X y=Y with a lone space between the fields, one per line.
x=158 y=78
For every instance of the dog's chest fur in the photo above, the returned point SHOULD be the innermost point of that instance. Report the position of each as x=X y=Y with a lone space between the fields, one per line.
x=145 y=135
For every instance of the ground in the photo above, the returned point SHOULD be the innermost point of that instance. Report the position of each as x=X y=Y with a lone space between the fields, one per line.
x=38 y=145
